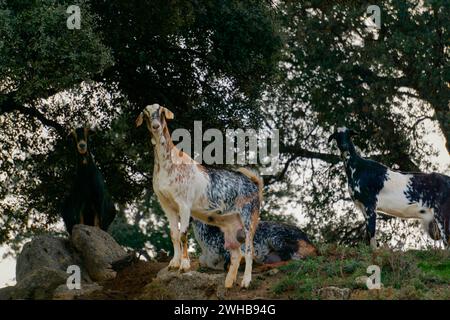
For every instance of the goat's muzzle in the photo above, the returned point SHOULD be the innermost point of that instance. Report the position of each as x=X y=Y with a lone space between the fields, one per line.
x=82 y=147
x=155 y=125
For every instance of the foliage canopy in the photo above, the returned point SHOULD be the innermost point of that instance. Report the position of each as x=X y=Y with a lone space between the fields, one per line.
x=304 y=67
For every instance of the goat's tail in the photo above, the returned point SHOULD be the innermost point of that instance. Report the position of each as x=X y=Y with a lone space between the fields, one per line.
x=256 y=179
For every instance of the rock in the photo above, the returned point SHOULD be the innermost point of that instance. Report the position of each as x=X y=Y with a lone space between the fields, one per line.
x=43 y=263
x=64 y=293
x=98 y=250
x=7 y=293
x=124 y=262
x=48 y=252
x=156 y=290
x=334 y=293
x=362 y=280
x=191 y=285
x=37 y=285
x=273 y=272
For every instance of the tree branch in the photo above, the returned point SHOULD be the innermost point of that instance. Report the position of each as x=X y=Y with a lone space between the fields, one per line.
x=303 y=153
x=10 y=104
x=296 y=152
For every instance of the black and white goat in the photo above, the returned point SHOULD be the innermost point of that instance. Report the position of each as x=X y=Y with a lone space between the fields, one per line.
x=274 y=242
x=88 y=202
x=374 y=187
x=227 y=199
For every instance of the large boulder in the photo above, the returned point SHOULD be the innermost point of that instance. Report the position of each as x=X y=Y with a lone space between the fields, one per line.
x=98 y=249
x=37 y=284
x=48 y=252
x=41 y=269
x=191 y=285
x=334 y=293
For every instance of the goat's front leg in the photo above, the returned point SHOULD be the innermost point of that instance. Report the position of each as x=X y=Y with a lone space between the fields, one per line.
x=371 y=220
x=235 y=261
x=370 y=216
x=175 y=237
x=185 y=215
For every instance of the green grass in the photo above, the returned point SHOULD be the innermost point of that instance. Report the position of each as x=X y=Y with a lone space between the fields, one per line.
x=433 y=266
x=404 y=275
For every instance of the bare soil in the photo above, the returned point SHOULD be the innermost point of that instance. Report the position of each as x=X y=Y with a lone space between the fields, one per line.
x=130 y=282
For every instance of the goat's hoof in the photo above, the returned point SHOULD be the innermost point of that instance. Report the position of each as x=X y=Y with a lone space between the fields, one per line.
x=246 y=282
x=185 y=265
x=229 y=283
x=373 y=243
x=174 y=264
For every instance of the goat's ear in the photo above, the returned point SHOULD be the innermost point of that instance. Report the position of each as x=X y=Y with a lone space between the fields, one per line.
x=71 y=134
x=333 y=136
x=167 y=113
x=353 y=133
x=140 y=119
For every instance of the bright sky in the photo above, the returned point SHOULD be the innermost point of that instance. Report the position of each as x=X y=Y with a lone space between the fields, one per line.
x=7 y=270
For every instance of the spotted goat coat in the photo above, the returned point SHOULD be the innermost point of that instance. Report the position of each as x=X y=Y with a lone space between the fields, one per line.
x=374 y=187
x=229 y=200
x=274 y=242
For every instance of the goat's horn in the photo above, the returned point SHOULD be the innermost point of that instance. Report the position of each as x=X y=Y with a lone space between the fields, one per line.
x=71 y=132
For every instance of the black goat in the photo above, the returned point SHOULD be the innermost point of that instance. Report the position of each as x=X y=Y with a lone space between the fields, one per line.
x=89 y=202
x=374 y=187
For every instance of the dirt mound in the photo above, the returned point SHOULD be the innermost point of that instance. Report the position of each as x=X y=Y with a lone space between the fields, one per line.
x=129 y=283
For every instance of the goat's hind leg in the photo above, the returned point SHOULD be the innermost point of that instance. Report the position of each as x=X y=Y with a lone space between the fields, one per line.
x=249 y=250
x=108 y=214
x=250 y=227
x=248 y=254
x=185 y=215
x=444 y=230
x=69 y=216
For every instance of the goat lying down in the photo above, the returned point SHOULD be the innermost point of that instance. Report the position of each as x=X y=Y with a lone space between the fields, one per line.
x=229 y=200
x=374 y=187
x=274 y=242
x=89 y=201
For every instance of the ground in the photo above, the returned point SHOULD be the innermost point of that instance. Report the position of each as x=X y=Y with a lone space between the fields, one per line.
x=404 y=275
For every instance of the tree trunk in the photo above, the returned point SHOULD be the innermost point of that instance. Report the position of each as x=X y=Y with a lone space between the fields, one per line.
x=443 y=117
